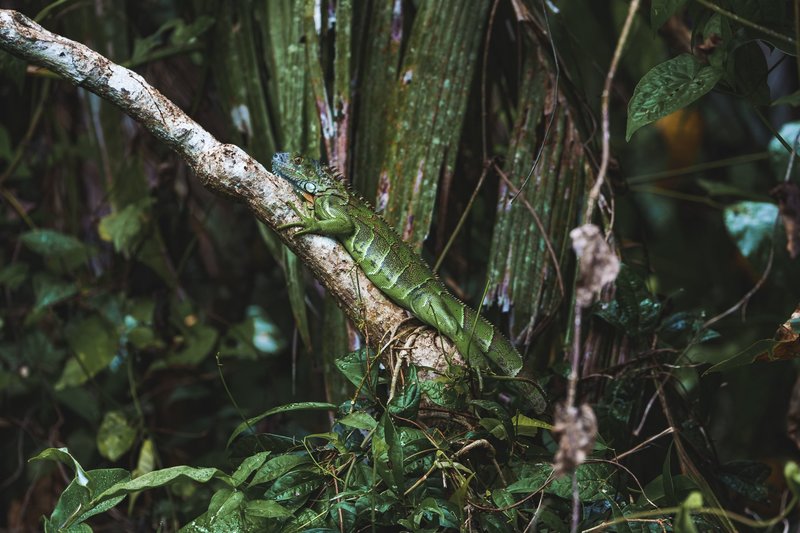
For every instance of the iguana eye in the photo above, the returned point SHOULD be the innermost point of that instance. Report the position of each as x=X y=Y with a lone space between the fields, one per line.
x=310 y=187
x=297 y=160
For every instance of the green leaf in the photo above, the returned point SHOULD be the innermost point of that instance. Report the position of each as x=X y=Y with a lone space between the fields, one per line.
x=67 y=513
x=745 y=357
x=161 y=478
x=355 y=365
x=751 y=225
x=266 y=509
x=224 y=514
x=746 y=478
x=13 y=275
x=441 y=391
x=294 y=485
x=147 y=458
x=662 y=10
x=683 y=520
x=667 y=87
x=791 y=471
x=49 y=291
x=533 y=481
x=634 y=309
x=594 y=483
x=248 y=466
x=51 y=243
x=255 y=336
x=94 y=343
x=63 y=455
x=301 y=406
x=359 y=420
x=792 y=99
x=200 y=340
x=406 y=404
x=115 y=435
x=122 y=228
x=388 y=454
x=278 y=466
x=529 y=427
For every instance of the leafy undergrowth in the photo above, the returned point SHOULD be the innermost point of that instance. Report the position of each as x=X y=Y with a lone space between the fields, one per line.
x=432 y=459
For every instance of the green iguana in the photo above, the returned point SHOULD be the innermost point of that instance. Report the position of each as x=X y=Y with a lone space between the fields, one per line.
x=389 y=262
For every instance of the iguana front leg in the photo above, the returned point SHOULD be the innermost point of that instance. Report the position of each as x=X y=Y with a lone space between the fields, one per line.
x=310 y=222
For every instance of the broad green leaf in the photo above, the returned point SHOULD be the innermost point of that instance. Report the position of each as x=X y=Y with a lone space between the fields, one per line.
x=248 y=466
x=200 y=340
x=446 y=513
x=74 y=504
x=354 y=366
x=499 y=412
x=662 y=10
x=13 y=275
x=278 y=466
x=266 y=509
x=670 y=86
x=49 y=291
x=49 y=243
x=533 y=482
x=751 y=225
x=94 y=343
x=529 y=427
x=122 y=228
x=405 y=404
x=115 y=435
x=441 y=391
x=224 y=515
x=294 y=485
x=301 y=406
x=160 y=478
x=63 y=455
x=594 y=483
x=359 y=420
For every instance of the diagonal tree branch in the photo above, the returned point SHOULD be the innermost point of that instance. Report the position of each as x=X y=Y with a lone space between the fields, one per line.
x=223 y=168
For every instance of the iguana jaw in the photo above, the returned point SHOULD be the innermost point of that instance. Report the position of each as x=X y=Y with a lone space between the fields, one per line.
x=284 y=167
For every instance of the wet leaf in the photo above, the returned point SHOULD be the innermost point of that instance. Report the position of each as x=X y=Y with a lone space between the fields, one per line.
x=405 y=404
x=667 y=87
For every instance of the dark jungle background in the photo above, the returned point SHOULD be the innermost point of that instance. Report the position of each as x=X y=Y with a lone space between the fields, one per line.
x=142 y=317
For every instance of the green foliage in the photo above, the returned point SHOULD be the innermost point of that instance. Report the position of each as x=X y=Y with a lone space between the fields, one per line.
x=144 y=324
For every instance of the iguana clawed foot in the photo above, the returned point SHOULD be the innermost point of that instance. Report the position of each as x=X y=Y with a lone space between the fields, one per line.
x=307 y=221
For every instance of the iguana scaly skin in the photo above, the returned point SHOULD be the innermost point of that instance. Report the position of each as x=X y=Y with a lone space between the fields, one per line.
x=390 y=263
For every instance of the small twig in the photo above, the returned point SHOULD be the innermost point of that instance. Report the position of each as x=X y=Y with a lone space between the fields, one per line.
x=745 y=22
x=641 y=445
x=601 y=174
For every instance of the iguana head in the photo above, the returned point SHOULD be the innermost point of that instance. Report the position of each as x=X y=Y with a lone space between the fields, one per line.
x=307 y=175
